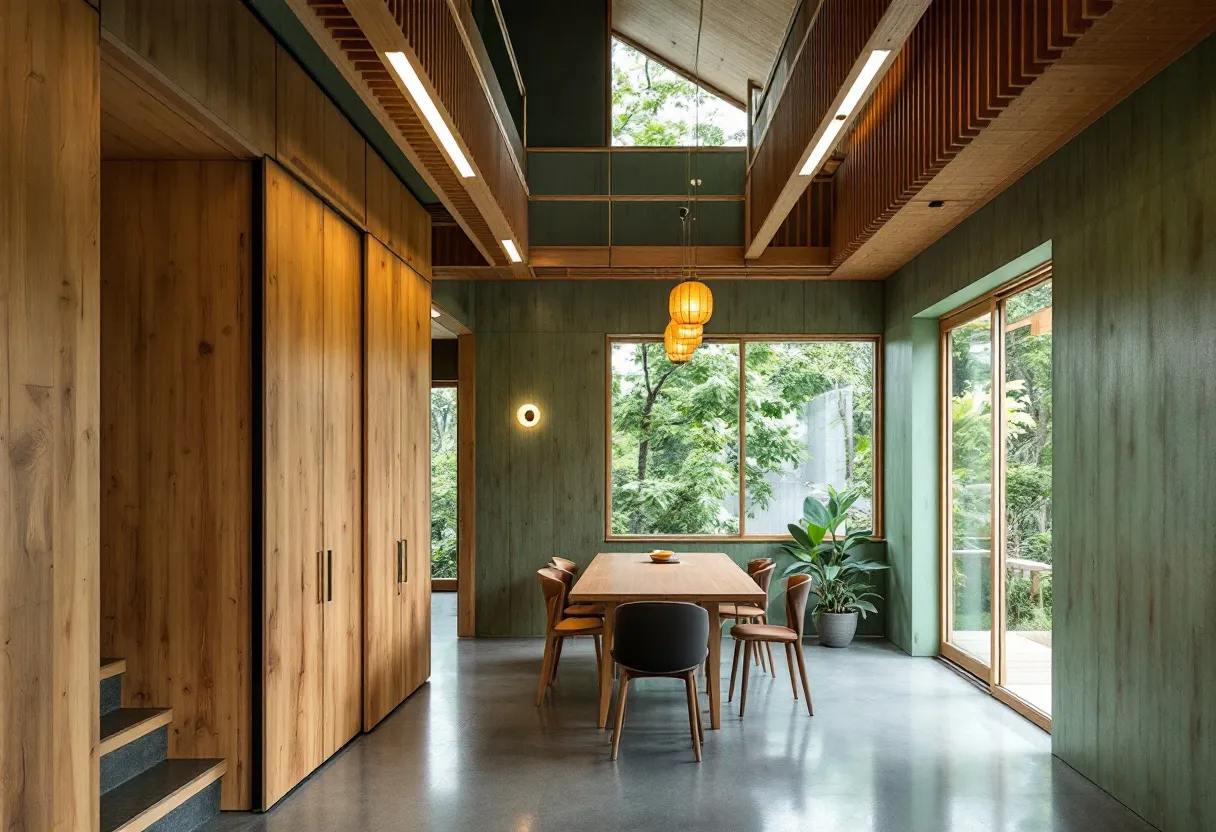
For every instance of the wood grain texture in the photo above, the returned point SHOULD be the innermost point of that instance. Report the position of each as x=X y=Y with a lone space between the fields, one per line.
x=466 y=481
x=342 y=489
x=382 y=688
x=316 y=142
x=49 y=420
x=631 y=576
x=176 y=362
x=217 y=52
x=395 y=218
x=293 y=448
x=1130 y=209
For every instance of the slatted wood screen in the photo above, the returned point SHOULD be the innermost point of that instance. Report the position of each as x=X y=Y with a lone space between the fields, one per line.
x=433 y=30
x=810 y=220
x=838 y=35
x=964 y=64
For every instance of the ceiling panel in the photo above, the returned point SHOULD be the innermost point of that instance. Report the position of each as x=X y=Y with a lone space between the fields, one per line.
x=739 y=38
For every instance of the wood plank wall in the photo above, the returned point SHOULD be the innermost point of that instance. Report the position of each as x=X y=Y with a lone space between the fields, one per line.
x=49 y=391
x=176 y=363
x=1130 y=209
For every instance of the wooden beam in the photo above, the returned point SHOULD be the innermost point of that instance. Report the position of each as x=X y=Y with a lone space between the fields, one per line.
x=774 y=184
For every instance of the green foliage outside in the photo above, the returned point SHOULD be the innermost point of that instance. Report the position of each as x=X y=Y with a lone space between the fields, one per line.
x=1027 y=416
x=652 y=106
x=675 y=430
x=443 y=482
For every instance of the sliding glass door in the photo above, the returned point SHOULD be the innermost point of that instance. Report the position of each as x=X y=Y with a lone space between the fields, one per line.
x=996 y=475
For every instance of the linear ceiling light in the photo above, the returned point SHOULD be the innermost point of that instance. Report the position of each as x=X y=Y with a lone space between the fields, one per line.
x=434 y=312
x=423 y=99
x=512 y=251
x=871 y=69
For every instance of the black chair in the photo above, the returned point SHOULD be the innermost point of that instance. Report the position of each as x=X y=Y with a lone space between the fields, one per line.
x=660 y=638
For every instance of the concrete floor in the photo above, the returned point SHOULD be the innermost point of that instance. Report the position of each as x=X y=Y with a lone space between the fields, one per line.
x=897 y=744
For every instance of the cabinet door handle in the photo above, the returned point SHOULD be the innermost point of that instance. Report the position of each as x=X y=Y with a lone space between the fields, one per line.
x=405 y=572
x=329 y=562
x=399 y=561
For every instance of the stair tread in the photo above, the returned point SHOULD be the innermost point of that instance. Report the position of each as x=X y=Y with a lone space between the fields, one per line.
x=112 y=667
x=118 y=721
x=148 y=797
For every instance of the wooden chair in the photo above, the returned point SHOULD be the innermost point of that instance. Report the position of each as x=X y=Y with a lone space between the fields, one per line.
x=660 y=639
x=749 y=637
x=568 y=575
x=559 y=627
x=761 y=570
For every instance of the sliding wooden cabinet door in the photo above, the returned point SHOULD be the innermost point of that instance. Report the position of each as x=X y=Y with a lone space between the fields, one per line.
x=342 y=488
x=382 y=684
x=415 y=389
x=294 y=322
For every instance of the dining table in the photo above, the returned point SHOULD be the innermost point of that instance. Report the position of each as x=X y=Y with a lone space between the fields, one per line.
x=707 y=579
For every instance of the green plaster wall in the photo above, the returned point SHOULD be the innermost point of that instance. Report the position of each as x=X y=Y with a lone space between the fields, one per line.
x=1129 y=208
x=562 y=49
x=540 y=492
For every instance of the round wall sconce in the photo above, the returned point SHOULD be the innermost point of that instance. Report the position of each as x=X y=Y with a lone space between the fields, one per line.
x=528 y=415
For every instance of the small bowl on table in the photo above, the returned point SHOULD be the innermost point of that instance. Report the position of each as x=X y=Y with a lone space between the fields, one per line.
x=664 y=556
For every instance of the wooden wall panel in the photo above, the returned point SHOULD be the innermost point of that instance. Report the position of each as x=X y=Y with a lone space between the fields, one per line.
x=382 y=505
x=49 y=309
x=1130 y=209
x=317 y=143
x=293 y=448
x=414 y=384
x=217 y=51
x=395 y=218
x=342 y=489
x=176 y=365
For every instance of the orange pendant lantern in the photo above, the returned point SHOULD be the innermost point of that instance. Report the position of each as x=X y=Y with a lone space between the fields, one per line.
x=687 y=332
x=679 y=350
x=691 y=303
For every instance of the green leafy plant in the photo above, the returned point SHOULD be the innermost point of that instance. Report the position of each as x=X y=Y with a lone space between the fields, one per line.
x=825 y=548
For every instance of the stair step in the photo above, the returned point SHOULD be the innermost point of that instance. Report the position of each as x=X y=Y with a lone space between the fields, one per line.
x=112 y=667
x=125 y=725
x=167 y=786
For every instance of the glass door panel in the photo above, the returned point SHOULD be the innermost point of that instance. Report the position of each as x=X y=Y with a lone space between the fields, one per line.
x=443 y=483
x=969 y=526
x=1026 y=657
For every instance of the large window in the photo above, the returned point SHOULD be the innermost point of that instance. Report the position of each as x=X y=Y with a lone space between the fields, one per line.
x=997 y=556
x=443 y=483
x=803 y=418
x=653 y=106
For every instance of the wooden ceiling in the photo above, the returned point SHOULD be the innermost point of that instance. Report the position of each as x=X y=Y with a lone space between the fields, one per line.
x=739 y=38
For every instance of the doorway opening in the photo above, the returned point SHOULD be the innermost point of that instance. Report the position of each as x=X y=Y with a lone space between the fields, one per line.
x=996 y=562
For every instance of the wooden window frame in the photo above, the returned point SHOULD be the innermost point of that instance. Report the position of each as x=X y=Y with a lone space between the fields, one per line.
x=993 y=675
x=742 y=341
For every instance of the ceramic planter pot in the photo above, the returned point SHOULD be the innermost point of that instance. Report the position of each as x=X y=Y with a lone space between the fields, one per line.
x=836 y=629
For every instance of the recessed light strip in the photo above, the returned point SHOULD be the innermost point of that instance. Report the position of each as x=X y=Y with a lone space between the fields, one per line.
x=416 y=89
x=512 y=251
x=852 y=98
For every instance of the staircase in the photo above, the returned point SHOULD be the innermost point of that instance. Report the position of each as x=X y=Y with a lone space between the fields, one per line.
x=140 y=787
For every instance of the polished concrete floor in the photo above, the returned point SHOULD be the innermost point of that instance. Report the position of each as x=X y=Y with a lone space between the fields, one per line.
x=896 y=744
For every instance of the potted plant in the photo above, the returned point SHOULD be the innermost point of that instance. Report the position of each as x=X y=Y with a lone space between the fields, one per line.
x=823 y=547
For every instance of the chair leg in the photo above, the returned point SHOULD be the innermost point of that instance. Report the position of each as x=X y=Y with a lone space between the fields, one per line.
x=696 y=699
x=622 y=695
x=759 y=653
x=789 y=662
x=768 y=649
x=557 y=657
x=546 y=671
x=598 y=656
x=806 y=688
x=734 y=667
x=747 y=663
x=690 y=685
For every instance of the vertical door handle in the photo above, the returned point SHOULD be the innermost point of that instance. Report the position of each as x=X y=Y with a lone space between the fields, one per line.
x=329 y=562
x=405 y=572
x=399 y=561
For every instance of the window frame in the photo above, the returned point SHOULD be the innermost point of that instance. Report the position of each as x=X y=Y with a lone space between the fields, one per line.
x=742 y=341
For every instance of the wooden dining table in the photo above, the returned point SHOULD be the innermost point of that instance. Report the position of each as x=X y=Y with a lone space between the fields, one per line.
x=704 y=578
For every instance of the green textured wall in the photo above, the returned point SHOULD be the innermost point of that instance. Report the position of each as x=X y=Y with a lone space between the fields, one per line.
x=1129 y=207
x=540 y=492
x=562 y=49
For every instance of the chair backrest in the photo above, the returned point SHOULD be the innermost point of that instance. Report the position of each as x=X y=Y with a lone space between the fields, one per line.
x=553 y=588
x=660 y=636
x=756 y=564
x=797 y=590
x=764 y=576
x=565 y=564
